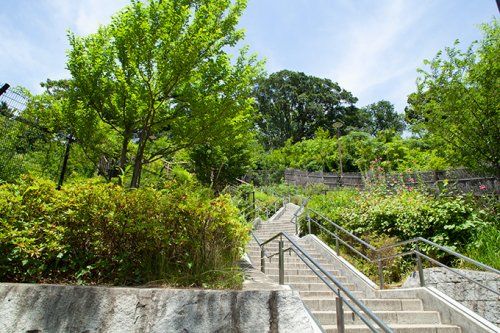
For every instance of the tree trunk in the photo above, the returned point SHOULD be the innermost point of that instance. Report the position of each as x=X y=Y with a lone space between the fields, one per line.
x=136 y=175
x=127 y=135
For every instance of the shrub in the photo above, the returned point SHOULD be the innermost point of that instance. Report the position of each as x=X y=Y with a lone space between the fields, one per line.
x=97 y=233
x=486 y=246
x=405 y=213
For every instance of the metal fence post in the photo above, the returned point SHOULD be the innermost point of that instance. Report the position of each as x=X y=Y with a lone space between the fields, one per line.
x=340 y=313
x=296 y=224
x=337 y=245
x=380 y=272
x=253 y=205
x=262 y=259
x=309 y=223
x=281 y=263
x=419 y=265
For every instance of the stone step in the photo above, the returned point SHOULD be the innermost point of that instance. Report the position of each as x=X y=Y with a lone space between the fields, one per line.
x=399 y=328
x=326 y=294
x=388 y=317
x=274 y=248
x=293 y=263
x=401 y=311
x=297 y=271
x=311 y=286
x=277 y=228
x=285 y=223
x=266 y=236
x=287 y=227
x=288 y=265
x=275 y=242
x=305 y=278
x=269 y=251
x=318 y=304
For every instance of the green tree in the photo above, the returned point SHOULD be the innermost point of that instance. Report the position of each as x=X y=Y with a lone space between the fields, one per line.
x=159 y=75
x=293 y=105
x=457 y=101
x=381 y=116
x=217 y=165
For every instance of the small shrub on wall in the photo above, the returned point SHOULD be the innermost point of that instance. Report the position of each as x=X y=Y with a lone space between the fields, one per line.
x=96 y=233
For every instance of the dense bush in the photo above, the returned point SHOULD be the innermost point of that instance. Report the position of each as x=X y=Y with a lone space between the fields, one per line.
x=359 y=150
x=383 y=217
x=254 y=202
x=91 y=232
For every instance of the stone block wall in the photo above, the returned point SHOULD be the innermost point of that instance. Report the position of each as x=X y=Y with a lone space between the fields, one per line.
x=478 y=299
x=51 y=308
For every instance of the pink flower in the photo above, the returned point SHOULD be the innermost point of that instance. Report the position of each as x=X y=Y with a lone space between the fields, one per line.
x=411 y=180
x=410 y=188
x=482 y=187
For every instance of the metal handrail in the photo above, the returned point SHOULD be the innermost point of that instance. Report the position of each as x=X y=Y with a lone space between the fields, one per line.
x=359 y=240
x=414 y=241
x=295 y=217
x=377 y=257
x=324 y=276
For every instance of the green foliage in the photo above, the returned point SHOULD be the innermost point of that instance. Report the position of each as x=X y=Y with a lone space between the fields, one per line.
x=359 y=151
x=486 y=246
x=34 y=145
x=91 y=232
x=219 y=164
x=160 y=72
x=293 y=105
x=457 y=101
x=384 y=217
x=381 y=117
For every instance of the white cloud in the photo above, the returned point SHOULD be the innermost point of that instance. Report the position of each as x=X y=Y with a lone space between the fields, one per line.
x=15 y=48
x=34 y=51
x=85 y=16
x=374 y=52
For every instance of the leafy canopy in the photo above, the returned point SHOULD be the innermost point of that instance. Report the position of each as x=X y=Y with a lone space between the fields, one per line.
x=381 y=116
x=457 y=101
x=160 y=76
x=293 y=105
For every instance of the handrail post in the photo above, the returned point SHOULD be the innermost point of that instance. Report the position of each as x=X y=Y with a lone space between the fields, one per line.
x=340 y=313
x=419 y=266
x=309 y=223
x=253 y=205
x=296 y=224
x=380 y=272
x=262 y=259
x=281 y=262
x=337 y=245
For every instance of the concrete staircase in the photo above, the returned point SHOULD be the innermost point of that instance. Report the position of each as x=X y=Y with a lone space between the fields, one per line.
x=402 y=312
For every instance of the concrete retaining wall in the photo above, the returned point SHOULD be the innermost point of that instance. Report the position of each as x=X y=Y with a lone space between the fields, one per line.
x=469 y=294
x=52 y=308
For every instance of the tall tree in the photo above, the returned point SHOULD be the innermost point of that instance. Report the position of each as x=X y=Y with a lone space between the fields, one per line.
x=457 y=101
x=294 y=105
x=159 y=75
x=382 y=116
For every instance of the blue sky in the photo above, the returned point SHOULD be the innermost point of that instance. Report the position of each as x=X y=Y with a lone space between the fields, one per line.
x=370 y=47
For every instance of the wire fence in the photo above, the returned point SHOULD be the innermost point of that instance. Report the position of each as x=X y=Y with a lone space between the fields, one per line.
x=15 y=99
